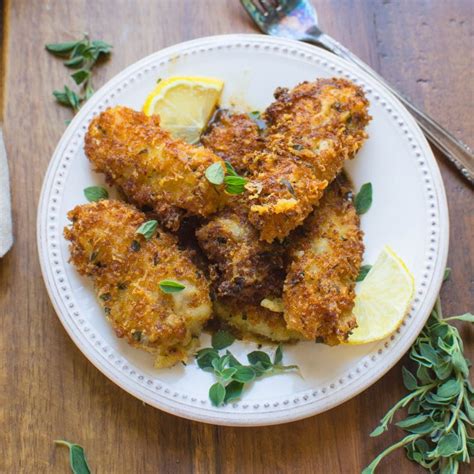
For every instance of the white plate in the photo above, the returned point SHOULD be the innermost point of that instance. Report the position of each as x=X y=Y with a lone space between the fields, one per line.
x=409 y=213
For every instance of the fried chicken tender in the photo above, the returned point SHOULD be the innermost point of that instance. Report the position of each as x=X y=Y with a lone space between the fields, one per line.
x=151 y=168
x=312 y=130
x=126 y=270
x=319 y=284
x=318 y=295
x=232 y=136
x=241 y=265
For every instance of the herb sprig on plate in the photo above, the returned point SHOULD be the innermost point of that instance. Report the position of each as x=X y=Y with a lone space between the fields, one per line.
x=231 y=374
x=440 y=414
x=81 y=55
x=95 y=193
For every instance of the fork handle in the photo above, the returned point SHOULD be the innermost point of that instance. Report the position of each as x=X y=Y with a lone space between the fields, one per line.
x=457 y=152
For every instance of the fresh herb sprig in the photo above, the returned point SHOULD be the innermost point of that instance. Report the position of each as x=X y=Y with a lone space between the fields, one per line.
x=148 y=229
x=81 y=55
x=77 y=457
x=363 y=199
x=95 y=193
x=363 y=272
x=231 y=374
x=171 y=286
x=234 y=184
x=440 y=414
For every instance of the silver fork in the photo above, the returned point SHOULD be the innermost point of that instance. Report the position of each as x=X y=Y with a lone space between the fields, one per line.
x=297 y=19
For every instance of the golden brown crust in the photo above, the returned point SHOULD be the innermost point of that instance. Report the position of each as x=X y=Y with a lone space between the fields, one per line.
x=312 y=130
x=232 y=136
x=241 y=265
x=152 y=168
x=318 y=295
x=126 y=270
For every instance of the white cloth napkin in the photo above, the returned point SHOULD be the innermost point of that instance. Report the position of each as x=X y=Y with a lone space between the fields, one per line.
x=6 y=234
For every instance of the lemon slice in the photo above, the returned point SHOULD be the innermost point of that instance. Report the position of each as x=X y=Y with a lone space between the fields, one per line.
x=382 y=299
x=185 y=104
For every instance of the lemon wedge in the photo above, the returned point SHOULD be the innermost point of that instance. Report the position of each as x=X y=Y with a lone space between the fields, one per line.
x=382 y=299
x=185 y=104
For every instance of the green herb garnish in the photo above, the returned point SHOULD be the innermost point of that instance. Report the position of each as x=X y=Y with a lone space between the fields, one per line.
x=147 y=229
x=222 y=339
x=95 y=193
x=440 y=414
x=363 y=200
x=215 y=173
x=234 y=184
x=364 y=269
x=81 y=55
x=77 y=457
x=171 y=286
x=231 y=374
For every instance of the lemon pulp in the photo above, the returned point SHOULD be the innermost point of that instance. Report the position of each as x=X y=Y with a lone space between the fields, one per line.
x=185 y=104
x=382 y=298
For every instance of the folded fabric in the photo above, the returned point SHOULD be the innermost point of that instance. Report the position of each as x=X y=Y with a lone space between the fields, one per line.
x=6 y=235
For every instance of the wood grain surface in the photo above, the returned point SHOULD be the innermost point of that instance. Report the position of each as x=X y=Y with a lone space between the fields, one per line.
x=48 y=389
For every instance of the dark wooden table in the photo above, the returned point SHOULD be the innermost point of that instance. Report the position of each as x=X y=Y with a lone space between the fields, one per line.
x=48 y=390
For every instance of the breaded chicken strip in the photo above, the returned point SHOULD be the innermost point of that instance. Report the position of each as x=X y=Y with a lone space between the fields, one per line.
x=126 y=270
x=318 y=295
x=241 y=265
x=152 y=168
x=232 y=136
x=312 y=130
x=323 y=292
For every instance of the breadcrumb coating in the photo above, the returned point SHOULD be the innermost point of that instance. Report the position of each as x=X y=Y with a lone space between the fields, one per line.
x=233 y=136
x=326 y=255
x=312 y=130
x=126 y=270
x=241 y=265
x=153 y=169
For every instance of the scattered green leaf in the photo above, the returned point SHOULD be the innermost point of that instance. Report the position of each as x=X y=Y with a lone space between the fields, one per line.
x=215 y=173
x=363 y=199
x=147 y=229
x=95 y=193
x=171 y=286
x=77 y=457
x=222 y=339
x=233 y=391
x=61 y=48
x=217 y=394
x=364 y=270
x=259 y=357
